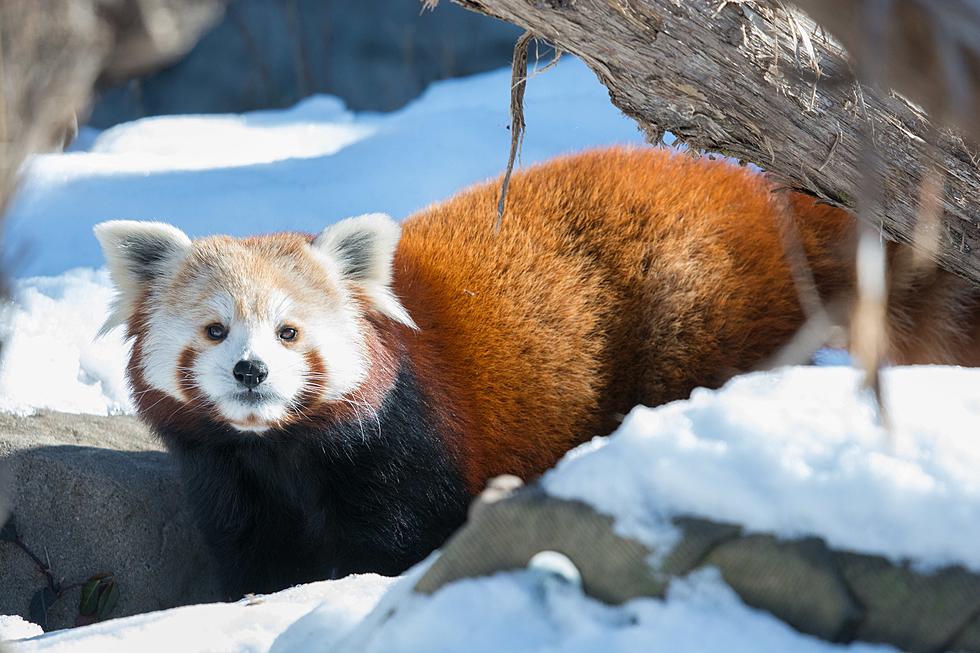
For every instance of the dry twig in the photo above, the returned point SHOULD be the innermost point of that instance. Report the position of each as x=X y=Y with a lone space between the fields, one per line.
x=518 y=83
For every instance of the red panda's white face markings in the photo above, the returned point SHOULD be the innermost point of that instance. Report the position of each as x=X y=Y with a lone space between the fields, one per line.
x=251 y=330
x=244 y=368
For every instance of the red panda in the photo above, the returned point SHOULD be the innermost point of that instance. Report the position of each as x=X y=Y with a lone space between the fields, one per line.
x=335 y=401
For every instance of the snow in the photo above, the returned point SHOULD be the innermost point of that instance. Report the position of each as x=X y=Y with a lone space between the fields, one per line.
x=52 y=357
x=801 y=452
x=248 y=626
x=13 y=627
x=316 y=127
x=525 y=612
x=513 y=612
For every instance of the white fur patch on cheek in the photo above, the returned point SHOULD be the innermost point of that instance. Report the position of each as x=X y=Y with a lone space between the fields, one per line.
x=340 y=345
x=213 y=369
x=167 y=337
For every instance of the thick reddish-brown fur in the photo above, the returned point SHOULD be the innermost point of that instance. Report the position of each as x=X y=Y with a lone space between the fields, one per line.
x=618 y=277
x=623 y=277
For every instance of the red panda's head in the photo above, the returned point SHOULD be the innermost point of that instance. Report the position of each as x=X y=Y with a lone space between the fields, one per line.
x=252 y=331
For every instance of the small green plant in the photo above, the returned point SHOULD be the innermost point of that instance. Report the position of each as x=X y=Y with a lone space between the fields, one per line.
x=97 y=598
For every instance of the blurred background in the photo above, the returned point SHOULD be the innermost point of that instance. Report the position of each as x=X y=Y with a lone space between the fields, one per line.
x=375 y=55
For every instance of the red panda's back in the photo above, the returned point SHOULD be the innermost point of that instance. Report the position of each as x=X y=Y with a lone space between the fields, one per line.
x=618 y=277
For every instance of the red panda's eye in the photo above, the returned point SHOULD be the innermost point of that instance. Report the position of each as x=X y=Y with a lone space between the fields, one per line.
x=216 y=331
x=287 y=333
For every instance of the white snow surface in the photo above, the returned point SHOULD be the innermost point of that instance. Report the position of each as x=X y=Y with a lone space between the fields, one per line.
x=298 y=169
x=248 y=626
x=52 y=356
x=513 y=612
x=530 y=612
x=801 y=452
x=14 y=627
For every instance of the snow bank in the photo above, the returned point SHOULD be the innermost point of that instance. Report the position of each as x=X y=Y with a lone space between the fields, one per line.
x=52 y=357
x=13 y=627
x=242 y=627
x=794 y=452
x=800 y=452
x=517 y=612
x=525 y=612
x=316 y=127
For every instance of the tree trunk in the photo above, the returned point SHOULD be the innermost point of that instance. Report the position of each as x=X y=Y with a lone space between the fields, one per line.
x=53 y=51
x=760 y=81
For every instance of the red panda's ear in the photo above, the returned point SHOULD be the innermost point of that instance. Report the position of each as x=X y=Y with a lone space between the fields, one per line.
x=363 y=248
x=137 y=253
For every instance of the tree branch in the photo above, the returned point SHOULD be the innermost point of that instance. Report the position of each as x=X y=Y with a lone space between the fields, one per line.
x=760 y=81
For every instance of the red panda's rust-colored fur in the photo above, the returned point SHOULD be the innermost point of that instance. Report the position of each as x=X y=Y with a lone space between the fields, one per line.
x=618 y=277
x=622 y=277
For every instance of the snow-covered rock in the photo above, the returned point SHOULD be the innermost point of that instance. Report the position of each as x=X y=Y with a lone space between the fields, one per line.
x=752 y=437
x=801 y=452
x=525 y=612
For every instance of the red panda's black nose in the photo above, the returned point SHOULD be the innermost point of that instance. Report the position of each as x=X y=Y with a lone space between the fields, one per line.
x=250 y=373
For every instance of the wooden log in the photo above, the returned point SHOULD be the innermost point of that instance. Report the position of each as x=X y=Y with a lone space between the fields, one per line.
x=760 y=81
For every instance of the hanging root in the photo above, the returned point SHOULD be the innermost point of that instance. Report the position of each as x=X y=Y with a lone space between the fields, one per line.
x=518 y=82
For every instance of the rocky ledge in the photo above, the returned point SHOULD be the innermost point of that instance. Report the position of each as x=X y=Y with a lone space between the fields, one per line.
x=91 y=496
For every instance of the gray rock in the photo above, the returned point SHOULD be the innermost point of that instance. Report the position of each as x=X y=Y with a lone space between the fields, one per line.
x=506 y=534
x=796 y=580
x=968 y=638
x=92 y=495
x=700 y=537
x=837 y=596
x=374 y=54
x=911 y=610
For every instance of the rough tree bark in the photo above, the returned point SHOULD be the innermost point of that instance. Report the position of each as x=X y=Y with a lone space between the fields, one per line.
x=927 y=50
x=760 y=81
